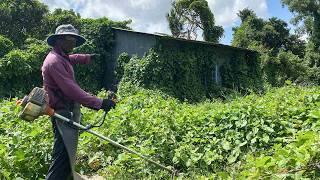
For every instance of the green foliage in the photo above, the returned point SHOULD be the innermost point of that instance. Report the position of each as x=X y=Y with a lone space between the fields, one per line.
x=20 y=69
x=5 y=45
x=308 y=12
x=122 y=60
x=312 y=59
x=168 y=71
x=297 y=160
x=283 y=67
x=272 y=34
x=99 y=37
x=282 y=54
x=187 y=70
x=242 y=73
x=250 y=137
x=21 y=19
x=245 y=14
x=24 y=147
x=21 y=66
x=249 y=30
x=99 y=41
x=60 y=16
x=295 y=45
x=275 y=33
x=186 y=17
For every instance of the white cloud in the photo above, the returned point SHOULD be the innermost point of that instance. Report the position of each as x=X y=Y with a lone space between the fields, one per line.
x=304 y=37
x=225 y=11
x=150 y=15
x=147 y=15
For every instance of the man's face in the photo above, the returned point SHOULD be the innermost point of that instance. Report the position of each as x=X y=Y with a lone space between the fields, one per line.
x=67 y=44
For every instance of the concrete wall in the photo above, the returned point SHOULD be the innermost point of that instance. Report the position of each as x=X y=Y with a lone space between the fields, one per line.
x=132 y=43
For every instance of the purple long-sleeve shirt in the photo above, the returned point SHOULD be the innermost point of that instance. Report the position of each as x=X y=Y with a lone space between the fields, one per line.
x=58 y=76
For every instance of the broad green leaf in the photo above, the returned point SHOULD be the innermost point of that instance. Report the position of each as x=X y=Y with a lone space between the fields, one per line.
x=226 y=145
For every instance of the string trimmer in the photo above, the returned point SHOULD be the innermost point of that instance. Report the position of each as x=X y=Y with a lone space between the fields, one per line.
x=35 y=105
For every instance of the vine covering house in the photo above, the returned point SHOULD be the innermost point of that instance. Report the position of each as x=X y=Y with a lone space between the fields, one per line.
x=187 y=69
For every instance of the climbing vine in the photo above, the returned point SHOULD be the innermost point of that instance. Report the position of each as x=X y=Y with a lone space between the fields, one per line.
x=188 y=70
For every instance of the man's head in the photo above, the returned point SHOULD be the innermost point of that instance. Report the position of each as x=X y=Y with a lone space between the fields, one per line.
x=67 y=37
x=66 y=43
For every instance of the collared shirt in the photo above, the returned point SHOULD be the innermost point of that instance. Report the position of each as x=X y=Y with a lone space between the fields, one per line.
x=58 y=76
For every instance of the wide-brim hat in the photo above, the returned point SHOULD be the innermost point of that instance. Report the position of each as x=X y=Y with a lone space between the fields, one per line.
x=64 y=30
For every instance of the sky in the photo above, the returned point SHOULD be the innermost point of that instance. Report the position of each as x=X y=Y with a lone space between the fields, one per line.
x=150 y=15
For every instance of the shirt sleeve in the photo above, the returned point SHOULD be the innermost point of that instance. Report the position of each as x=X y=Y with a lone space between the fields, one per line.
x=71 y=89
x=79 y=59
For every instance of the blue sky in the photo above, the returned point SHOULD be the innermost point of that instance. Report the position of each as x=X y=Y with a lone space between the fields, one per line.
x=149 y=15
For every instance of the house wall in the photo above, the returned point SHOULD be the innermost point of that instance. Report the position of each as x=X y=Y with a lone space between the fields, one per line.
x=135 y=43
x=132 y=43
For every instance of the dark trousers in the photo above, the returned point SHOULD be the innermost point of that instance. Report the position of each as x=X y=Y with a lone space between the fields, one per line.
x=60 y=168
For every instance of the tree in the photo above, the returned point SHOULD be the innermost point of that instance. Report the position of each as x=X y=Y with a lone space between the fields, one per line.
x=249 y=32
x=60 y=16
x=272 y=34
x=309 y=12
x=188 y=16
x=20 y=19
x=281 y=52
x=246 y=13
x=275 y=33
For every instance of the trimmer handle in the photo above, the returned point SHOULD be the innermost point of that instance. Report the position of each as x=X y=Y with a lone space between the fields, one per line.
x=112 y=96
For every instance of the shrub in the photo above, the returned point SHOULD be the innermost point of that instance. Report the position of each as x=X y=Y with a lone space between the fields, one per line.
x=250 y=137
x=5 y=45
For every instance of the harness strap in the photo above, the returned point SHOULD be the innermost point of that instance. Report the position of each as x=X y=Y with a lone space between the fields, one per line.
x=68 y=104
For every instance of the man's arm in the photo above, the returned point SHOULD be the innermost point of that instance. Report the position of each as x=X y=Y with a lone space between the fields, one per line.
x=80 y=58
x=71 y=89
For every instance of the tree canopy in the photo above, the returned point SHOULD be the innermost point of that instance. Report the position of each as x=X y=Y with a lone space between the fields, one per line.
x=273 y=34
x=20 y=19
x=187 y=17
x=282 y=53
x=307 y=11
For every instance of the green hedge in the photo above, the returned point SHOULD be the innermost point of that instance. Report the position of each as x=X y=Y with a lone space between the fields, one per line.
x=20 y=69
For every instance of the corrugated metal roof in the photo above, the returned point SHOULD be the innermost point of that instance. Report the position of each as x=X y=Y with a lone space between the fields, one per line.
x=162 y=35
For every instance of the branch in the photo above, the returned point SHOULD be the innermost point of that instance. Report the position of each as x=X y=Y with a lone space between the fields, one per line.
x=192 y=21
x=313 y=166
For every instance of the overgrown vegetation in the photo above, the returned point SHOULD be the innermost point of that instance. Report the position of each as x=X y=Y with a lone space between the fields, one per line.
x=168 y=108
x=284 y=56
x=187 y=71
x=266 y=136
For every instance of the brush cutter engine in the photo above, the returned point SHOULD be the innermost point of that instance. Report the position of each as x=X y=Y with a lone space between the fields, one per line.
x=34 y=105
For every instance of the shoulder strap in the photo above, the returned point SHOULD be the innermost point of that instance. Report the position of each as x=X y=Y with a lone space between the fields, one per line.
x=68 y=104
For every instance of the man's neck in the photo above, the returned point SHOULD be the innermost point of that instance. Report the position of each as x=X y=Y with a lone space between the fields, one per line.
x=59 y=51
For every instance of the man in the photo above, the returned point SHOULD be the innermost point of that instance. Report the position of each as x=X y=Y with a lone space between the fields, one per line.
x=65 y=96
